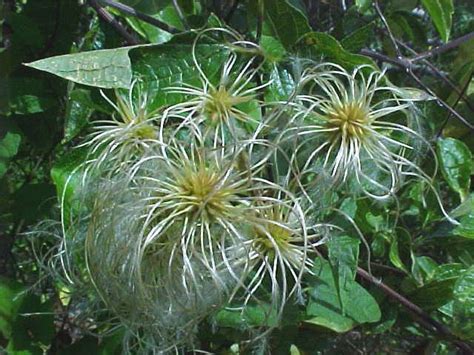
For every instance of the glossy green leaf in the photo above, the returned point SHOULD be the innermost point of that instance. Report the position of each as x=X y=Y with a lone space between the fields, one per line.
x=317 y=44
x=78 y=111
x=363 y=5
x=441 y=13
x=67 y=174
x=324 y=308
x=438 y=289
x=106 y=68
x=394 y=254
x=456 y=164
x=250 y=316
x=172 y=65
x=282 y=85
x=463 y=307
x=287 y=21
x=273 y=50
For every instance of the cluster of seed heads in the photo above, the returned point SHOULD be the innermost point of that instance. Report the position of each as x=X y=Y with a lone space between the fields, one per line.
x=190 y=208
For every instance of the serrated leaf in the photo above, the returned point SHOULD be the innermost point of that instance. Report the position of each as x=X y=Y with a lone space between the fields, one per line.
x=105 y=68
x=456 y=165
x=324 y=308
x=441 y=13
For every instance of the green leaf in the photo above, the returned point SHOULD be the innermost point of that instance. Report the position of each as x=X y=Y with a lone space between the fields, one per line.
x=11 y=295
x=273 y=50
x=40 y=198
x=441 y=13
x=33 y=327
x=9 y=145
x=282 y=85
x=105 y=68
x=363 y=5
x=317 y=44
x=464 y=214
x=463 y=307
x=456 y=165
x=358 y=39
x=394 y=254
x=26 y=95
x=78 y=111
x=67 y=174
x=152 y=33
x=324 y=308
x=250 y=316
x=286 y=21
x=439 y=289
x=343 y=257
x=172 y=64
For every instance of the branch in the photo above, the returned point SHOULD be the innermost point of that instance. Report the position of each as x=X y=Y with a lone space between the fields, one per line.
x=463 y=91
x=408 y=67
x=140 y=15
x=424 y=318
x=107 y=17
x=445 y=47
x=438 y=73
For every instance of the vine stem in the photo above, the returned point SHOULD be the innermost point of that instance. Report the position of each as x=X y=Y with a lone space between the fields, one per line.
x=423 y=318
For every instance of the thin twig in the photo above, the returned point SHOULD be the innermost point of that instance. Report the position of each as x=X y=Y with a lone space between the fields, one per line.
x=441 y=101
x=464 y=89
x=407 y=65
x=445 y=47
x=107 y=17
x=140 y=15
x=424 y=318
x=180 y=13
x=400 y=62
x=434 y=71
x=390 y=34
x=437 y=73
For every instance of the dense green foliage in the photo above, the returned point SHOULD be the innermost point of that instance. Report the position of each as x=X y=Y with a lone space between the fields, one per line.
x=407 y=244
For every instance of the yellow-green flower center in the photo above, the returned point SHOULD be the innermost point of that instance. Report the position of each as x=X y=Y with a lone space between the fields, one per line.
x=350 y=119
x=272 y=235
x=220 y=103
x=202 y=189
